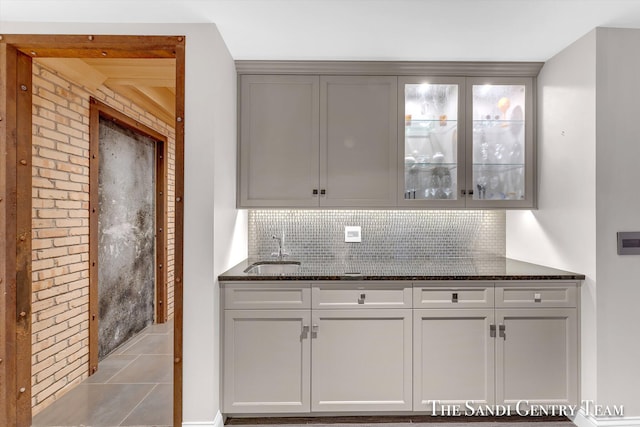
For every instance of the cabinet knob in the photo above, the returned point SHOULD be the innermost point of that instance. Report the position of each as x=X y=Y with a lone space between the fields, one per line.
x=463 y=192
x=361 y=299
x=492 y=330
x=323 y=192
x=502 y=331
x=454 y=297
x=410 y=194
x=315 y=192
x=305 y=331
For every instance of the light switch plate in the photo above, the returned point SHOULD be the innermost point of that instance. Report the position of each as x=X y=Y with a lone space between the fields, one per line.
x=352 y=234
x=628 y=242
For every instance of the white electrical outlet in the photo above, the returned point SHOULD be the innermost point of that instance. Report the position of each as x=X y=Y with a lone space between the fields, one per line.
x=352 y=234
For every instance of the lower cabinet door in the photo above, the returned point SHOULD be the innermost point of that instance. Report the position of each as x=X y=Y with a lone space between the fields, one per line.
x=361 y=360
x=536 y=358
x=453 y=359
x=266 y=361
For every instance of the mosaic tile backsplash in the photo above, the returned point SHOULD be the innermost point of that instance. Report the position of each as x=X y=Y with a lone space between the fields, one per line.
x=393 y=234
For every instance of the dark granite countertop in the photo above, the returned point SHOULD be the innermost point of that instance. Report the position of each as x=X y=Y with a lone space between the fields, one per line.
x=407 y=269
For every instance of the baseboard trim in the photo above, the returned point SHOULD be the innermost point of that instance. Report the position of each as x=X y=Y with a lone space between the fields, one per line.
x=582 y=419
x=217 y=422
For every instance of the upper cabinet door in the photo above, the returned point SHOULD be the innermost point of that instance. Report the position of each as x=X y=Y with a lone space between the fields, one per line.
x=431 y=143
x=279 y=129
x=500 y=150
x=358 y=140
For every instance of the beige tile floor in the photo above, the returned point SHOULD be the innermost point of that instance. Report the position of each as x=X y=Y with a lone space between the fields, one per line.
x=133 y=387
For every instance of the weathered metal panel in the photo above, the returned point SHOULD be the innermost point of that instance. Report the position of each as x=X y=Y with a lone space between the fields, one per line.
x=126 y=248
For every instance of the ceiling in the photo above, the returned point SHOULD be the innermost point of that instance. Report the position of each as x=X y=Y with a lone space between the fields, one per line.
x=487 y=30
x=150 y=83
x=420 y=30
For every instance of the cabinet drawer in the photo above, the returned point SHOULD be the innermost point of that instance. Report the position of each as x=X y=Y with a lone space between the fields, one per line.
x=266 y=297
x=536 y=295
x=453 y=297
x=364 y=296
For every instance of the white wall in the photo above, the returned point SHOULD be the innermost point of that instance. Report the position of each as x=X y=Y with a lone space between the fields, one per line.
x=212 y=225
x=589 y=177
x=618 y=209
x=562 y=232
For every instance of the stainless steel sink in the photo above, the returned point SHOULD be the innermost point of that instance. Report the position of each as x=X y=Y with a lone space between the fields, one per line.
x=273 y=268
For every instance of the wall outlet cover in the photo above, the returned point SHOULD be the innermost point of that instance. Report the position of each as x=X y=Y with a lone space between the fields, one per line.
x=352 y=234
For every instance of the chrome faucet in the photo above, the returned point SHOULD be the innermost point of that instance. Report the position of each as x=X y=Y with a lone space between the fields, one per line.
x=281 y=253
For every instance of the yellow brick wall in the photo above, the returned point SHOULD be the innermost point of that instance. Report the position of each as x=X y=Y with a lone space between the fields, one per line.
x=60 y=339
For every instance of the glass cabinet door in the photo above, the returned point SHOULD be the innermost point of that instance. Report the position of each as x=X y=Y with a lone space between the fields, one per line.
x=433 y=142
x=500 y=143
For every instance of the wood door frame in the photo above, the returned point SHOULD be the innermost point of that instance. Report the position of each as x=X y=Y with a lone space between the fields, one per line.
x=98 y=110
x=16 y=53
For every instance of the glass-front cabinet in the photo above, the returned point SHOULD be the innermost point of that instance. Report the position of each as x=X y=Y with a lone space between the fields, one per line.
x=433 y=142
x=500 y=148
x=466 y=142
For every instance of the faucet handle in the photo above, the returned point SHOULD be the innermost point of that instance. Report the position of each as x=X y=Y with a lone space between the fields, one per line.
x=276 y=254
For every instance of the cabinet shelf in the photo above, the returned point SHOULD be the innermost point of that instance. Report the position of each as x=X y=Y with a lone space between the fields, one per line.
x=413 y=122
x=410 y=165
x=482 y=121
x=499 y=165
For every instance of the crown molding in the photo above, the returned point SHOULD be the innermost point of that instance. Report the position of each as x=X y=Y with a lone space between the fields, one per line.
x=395 y=68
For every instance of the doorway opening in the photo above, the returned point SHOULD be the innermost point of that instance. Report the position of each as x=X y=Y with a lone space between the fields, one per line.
x=16 y=186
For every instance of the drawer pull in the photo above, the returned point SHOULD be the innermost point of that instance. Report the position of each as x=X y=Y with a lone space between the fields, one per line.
x=361 y=299
x=454 y=297
x=537 y=297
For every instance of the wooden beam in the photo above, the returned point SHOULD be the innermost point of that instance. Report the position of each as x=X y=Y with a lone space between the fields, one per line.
x=15 y=237
x=136 y=68
x=162 y=208
x=23 y=243
x=77 y=70
x=94 y=46
x=140 y=81
x=161 y=96
x=94 y=164
x=143 y=101
x=8 y=231
x=178 y=238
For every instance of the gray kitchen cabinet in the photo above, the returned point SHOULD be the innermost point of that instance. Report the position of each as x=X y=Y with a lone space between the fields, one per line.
x=521 y=347
x=466 y=142
x=431 y=154
x=361 y=360
x=500 y=150
x=453 y=358
x=279 y=141
x=362 y=134
x=266 y=346
x=361 y=346
x=358 y=140
x=359 y=295
x=541 y=319
x=537 y=356
x=309 y=141
x=266 y=361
